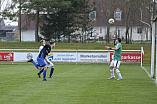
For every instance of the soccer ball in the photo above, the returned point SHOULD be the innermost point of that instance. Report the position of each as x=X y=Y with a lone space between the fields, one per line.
x=29 y=56
x=111 y=21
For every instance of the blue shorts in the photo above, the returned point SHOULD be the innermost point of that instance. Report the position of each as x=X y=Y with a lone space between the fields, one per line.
x=41 y=62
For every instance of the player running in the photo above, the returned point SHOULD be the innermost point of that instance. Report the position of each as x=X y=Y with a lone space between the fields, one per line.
x=115 y=63
x=42 y=57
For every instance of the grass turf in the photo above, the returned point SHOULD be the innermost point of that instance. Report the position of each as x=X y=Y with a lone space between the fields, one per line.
x=35 y=45
x=75 y=84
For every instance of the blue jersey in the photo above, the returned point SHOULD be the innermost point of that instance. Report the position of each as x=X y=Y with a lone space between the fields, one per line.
x=46 y=49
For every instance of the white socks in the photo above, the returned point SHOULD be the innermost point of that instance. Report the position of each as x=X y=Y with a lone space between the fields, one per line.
x=118 y=73
x=112 y=72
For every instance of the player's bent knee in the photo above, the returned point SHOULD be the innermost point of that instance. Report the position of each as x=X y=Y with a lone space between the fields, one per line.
x=115 y=68
x=45 y=68
x=111 y=67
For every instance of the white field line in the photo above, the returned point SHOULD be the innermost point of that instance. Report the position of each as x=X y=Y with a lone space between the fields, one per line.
x=147 y=72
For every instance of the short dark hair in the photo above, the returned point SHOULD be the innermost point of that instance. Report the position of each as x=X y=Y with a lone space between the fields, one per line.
x=119 y=40
x=52 y=41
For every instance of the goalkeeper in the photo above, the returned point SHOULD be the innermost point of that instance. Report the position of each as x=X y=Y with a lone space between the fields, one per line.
x=115 y=63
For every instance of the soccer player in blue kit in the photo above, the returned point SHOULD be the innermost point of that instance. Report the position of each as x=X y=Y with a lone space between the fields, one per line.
x=42 y=56
x=48 y=63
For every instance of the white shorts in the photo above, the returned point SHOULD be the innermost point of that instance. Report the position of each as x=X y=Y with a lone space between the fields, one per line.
x=49 y=65
x=115 y=63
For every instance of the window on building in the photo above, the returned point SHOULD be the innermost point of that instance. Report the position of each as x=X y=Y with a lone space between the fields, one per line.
x=139 y=30
x=100 y=30
x=118 y=14
x=100 y=38
x=93 y=33
x=92 y=16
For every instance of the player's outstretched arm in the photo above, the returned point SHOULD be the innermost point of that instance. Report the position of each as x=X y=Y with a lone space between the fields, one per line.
x=47 y=60
x=114 y=48
x=111 y=48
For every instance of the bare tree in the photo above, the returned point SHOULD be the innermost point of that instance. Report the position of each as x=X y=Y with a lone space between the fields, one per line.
x=137 y=14
x=107 y=13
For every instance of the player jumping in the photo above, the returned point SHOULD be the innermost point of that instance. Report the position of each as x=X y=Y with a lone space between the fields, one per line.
x=115 y=63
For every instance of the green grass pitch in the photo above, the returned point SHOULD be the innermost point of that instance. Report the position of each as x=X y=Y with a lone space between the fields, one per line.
x=75 y=84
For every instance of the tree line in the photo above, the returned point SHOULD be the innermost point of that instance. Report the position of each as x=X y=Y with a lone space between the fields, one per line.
x=62 y=18
x=55 y=18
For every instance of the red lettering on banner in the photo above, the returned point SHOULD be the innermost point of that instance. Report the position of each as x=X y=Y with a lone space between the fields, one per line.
x=129 y=57
x=6 y=56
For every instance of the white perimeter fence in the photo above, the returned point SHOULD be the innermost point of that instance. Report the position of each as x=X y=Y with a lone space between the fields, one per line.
x=62 y=55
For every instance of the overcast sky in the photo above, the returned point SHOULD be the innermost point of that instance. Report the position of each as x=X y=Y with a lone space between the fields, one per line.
x=3 y=5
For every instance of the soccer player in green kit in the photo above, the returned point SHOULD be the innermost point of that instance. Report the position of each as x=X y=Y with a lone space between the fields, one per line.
x=115 y=63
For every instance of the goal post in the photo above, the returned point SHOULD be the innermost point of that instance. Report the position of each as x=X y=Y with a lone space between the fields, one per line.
x=155 y=23
x=156 y=56
x=152 y=50
x=154 y=36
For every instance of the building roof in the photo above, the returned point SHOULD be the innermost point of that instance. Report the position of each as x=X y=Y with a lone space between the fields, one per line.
x=105 y=9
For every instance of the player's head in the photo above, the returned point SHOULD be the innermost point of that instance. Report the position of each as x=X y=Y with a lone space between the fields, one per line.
x=52 y=43
x=118 y=40
x=42 y=41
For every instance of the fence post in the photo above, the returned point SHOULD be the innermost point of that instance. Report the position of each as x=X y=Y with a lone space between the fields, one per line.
x=76 y=57
x=109 y=57
x=142 y=52
x=13 y=57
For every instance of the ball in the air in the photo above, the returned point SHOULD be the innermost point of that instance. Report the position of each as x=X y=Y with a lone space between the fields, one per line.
x=29 y=56
x=111 y=21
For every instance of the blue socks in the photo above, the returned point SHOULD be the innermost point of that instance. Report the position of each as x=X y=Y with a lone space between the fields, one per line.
x=44 y=74
x=51 y=72
x=36 y=65
x=41 y=71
